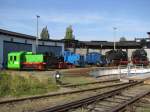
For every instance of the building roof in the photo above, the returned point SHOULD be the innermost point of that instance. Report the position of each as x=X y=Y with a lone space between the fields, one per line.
x=108 y=45
x=90 y=44
x=24 y=36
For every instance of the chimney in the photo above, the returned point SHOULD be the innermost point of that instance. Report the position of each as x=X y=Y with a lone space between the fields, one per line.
x=148 y=34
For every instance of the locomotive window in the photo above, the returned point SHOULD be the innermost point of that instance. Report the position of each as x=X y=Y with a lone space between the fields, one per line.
x=15 y=58
x=10 y=58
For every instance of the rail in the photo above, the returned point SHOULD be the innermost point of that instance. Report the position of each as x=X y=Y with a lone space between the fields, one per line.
x=89 y=100
x=127 y=103
x=58 y=94
x=82 y=84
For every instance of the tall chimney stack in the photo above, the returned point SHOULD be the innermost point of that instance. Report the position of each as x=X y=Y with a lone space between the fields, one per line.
x=148 y=34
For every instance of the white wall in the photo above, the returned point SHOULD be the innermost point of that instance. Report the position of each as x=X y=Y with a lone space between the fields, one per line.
x=130 y=53
x=94 y=50
x=148 y=53
x=81 y=51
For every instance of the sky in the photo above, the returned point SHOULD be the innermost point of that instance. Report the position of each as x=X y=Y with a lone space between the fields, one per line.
x=90 y=19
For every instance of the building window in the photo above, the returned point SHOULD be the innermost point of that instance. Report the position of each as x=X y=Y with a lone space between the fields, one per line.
x=42 y=43
x=25 y=41
x=11 y=39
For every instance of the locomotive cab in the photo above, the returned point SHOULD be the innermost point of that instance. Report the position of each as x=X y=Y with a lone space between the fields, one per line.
x=14 y=60
x=25 y=60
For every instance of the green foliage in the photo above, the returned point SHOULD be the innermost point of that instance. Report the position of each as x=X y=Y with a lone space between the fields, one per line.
x=69 y=33
x=123 y=39
x=16 y=85
x=5 y=84
x=45 y=34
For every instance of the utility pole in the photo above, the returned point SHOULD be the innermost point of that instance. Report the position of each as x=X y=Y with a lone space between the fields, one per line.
x=37 y=33
x=114 y=34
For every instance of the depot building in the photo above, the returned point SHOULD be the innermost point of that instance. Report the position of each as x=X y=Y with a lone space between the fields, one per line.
x=13 y=41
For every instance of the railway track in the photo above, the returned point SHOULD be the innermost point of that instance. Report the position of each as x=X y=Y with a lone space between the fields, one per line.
x=110 y=75
x=122 y=106
x=85 y=84
x=123 y=101
x=62 y=93
x=97 y=102
x=142 y=105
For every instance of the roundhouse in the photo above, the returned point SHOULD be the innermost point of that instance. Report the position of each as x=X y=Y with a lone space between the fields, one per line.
x=13 y=41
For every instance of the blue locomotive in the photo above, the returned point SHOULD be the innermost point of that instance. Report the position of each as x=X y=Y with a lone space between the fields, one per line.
x=95 y=58
x=74 y=59
x=92 y=58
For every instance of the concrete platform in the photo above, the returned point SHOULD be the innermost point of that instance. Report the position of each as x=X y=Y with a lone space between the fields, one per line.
x=139 y=76
x=125 y=74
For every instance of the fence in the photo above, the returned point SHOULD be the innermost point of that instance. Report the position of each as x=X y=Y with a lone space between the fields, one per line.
x=120 y=71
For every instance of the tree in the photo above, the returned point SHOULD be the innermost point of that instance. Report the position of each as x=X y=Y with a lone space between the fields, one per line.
x=44 y=34
x=69 y=33
x=123 y=39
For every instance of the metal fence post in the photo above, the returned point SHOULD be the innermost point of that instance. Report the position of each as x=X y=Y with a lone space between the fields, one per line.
x=128 y=73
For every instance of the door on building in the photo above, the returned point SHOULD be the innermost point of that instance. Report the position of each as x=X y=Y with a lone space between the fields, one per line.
x=55 y=50
x=12 y=47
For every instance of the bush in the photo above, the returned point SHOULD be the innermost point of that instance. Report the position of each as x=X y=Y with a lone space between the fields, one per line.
x=5 y=84
x=16 y=85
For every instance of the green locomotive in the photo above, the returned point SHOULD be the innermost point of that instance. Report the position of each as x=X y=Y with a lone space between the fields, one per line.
x=26 y=60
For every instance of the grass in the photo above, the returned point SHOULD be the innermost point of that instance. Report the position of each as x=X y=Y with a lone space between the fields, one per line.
x=76 y=80
x=143 y=110
x=16 y=85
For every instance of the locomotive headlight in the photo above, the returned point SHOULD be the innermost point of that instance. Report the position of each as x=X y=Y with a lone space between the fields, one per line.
x=57 y=75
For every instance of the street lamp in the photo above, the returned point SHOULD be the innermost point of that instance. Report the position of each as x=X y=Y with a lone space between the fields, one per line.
x=37 y=33
x=114 y=34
